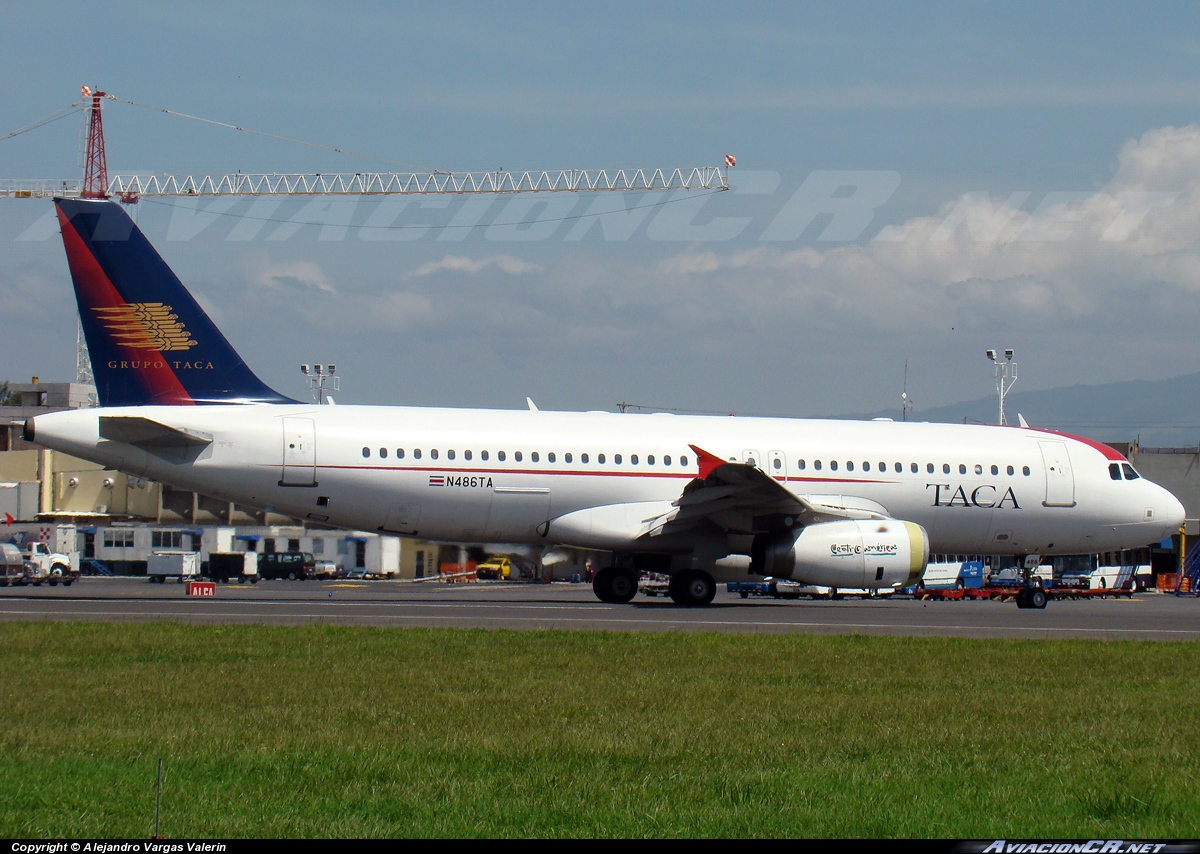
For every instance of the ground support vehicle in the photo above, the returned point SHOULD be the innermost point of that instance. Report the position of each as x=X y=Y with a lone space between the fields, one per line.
x=654 y=584
x=50 y=566
x=496 y=567
x=782 y=588
x=326 y=569
x=951 y=594
x=291 y=565
x=227 y=566
x=174 y=564
x=12 y=565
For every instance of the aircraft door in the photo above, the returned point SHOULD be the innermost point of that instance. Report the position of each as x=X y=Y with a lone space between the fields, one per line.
x=1060 y=480
x=777 y=465
x=299 y=452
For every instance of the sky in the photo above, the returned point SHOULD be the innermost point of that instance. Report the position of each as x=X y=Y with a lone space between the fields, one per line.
x=915 y=183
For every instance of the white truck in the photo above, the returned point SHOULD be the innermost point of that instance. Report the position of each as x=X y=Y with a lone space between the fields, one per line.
x=42 y=564
x=173 y=564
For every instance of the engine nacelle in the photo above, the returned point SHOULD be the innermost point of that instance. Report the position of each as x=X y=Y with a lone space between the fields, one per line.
x=847 y=553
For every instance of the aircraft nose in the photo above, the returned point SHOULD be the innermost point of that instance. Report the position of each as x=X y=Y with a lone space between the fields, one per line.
x=1168 y=511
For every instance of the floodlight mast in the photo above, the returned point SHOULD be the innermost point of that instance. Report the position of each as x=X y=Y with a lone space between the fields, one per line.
x=1005 y=372
x=322 y=379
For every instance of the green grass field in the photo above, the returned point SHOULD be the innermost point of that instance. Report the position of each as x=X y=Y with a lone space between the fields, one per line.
x=355 y=732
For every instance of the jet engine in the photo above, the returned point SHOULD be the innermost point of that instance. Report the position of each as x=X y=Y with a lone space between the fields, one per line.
x=846 y=553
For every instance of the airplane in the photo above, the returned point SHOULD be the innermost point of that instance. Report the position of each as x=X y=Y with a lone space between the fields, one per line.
x=704 y=499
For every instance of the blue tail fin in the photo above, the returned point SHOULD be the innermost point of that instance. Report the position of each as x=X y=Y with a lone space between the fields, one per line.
x=149 y=340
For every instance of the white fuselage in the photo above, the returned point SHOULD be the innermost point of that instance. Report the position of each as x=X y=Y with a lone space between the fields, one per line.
x=501 y=476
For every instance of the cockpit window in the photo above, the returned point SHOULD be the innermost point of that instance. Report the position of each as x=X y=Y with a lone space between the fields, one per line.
x=1114 y=471
x=1130 y=474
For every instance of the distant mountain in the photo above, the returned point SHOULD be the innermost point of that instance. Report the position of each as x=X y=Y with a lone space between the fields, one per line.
x=1163 y=413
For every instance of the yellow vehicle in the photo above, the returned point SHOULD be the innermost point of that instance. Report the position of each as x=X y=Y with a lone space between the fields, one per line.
x=495 y=567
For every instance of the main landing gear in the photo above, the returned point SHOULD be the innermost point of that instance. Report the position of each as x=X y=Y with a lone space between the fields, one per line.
x=692 y=588
x=615 y=584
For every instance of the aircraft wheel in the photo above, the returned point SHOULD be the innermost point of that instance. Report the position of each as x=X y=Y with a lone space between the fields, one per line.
x=1022 y=598
x=616 y=585
x=700 y=588
x=1037 y=598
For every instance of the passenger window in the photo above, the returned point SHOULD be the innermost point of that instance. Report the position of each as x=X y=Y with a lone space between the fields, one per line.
x=366 y=453
x=978 y=469
x=583 y=458
x=500 y=456
x=650 y=459
x=416 y=453
x=962 y=469
x=566 y=458
x=800 y=465
x=1025 y=470
x=914 y=468
x=399 y=453
x=383 y=453
x=617 y=459
x=1130 y=474
x=849 y=466
x=929 y=468
x=866 y=466
x=483 y=455
x=817 y=465
x=945 y=468
x=833 y=465
x=667 y=460
x=517 y=456
x=433 y=455
x=683 y=461
x=1011 y=470
x=600 y=459
x=466 y=455
x=883 y=466
x=450 y=455
x=777 y=463
x=995 y=469
x=534 y=456
x=1114 y=471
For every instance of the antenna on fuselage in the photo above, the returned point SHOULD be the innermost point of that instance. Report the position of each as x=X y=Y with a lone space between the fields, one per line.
x=905 y=403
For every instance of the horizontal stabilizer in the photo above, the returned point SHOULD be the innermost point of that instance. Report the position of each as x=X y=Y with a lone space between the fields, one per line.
x=146 y=433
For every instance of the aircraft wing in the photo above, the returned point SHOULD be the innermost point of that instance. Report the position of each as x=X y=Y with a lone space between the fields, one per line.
x=742 y=498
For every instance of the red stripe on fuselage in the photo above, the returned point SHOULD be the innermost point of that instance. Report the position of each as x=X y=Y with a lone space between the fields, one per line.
x=96 y=290
x=1109 y=453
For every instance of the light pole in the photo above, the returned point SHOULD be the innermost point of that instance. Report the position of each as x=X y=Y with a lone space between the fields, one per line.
x=1006 y=375
x=322 y=379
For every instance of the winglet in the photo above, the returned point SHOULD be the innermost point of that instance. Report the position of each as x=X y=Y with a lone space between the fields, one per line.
x=708 y=462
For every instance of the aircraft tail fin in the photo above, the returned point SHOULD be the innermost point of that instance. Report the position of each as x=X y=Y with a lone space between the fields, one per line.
x=150 y=342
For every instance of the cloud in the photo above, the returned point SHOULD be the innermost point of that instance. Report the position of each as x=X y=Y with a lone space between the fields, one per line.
x=294 y=276
x=459 y=264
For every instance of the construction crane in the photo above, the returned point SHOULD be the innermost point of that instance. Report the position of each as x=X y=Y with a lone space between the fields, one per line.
x=129 y=188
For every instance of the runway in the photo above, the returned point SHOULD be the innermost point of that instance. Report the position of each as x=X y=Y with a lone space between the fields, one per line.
x=574 y=607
